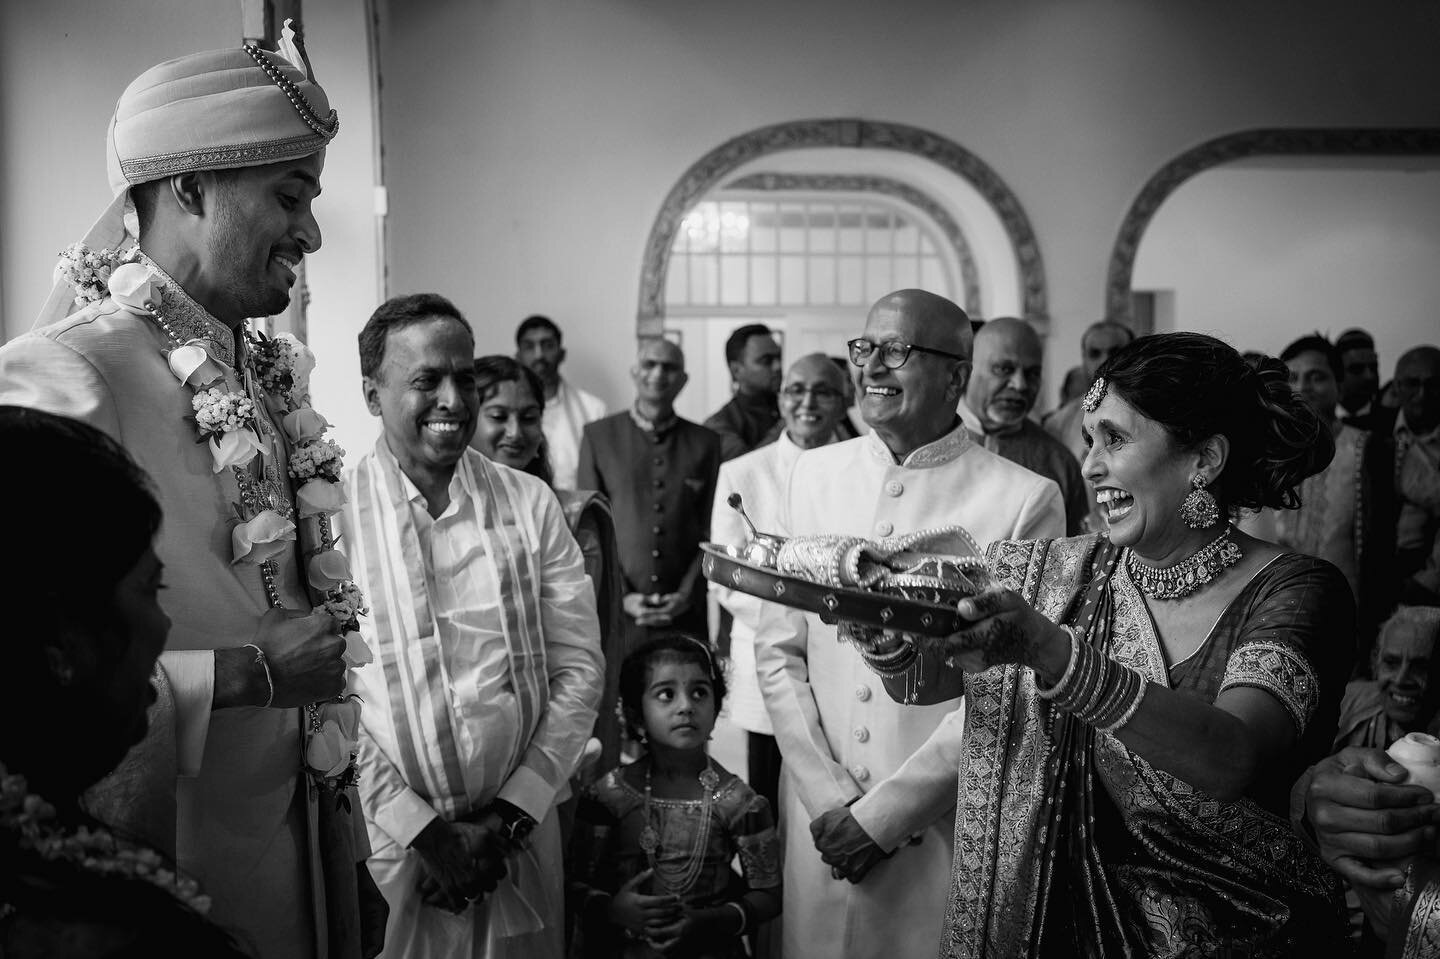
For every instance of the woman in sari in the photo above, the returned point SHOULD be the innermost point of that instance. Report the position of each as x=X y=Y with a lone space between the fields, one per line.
x=512 y=404
x=1139 y=701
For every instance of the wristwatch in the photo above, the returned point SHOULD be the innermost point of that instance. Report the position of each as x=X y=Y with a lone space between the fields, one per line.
x=516 y=823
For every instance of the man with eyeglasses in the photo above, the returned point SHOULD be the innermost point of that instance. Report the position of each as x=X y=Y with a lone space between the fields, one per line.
x=812 y=408
x=1002 y=391
x=877 y=781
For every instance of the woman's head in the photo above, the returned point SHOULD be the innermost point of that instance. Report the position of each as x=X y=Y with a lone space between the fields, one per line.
x=671 y=691
x=1172 y=407
x=512 y=406
x=1405 y=664
x=80 y=587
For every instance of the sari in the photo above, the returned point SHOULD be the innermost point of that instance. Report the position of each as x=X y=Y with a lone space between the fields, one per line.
x=1066 y=843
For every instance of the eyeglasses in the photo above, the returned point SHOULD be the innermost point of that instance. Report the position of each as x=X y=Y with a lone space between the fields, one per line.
x=893 y=353
x=821 y=392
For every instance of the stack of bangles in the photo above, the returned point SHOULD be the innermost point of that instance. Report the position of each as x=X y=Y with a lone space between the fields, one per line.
x=1095 y=689
x=894 y=661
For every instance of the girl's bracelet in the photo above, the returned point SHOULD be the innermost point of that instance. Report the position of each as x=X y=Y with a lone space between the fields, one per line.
x=744 y=916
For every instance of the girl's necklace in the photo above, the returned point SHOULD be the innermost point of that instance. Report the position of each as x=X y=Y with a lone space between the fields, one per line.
x=680 y=880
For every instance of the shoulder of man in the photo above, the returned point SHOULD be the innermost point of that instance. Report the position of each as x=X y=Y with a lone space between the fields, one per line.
x=96 y=329
x=723 y=419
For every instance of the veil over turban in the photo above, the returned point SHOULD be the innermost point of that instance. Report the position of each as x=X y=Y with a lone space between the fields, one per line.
x=216 y=110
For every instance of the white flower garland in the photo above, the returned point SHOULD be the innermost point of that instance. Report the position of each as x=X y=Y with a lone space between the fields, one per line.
x=229 y=421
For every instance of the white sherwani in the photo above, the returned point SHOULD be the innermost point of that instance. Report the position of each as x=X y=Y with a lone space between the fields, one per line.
x=760 y=479
x=842 y=737
x=566 y=414
x=444 y=729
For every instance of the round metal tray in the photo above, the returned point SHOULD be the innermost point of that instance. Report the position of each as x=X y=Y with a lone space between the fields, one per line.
x=832 y=604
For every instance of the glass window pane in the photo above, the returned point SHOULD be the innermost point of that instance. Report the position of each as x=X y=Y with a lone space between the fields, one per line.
x=734 y=280
x=926 y=247
x=734 y=227
x=762 y=227
x=877 y=278
x=705 y=288
x=677 y=289
x=762 y=281
x=907 y=273
x=933 y=278
x=792 y=280
x=822 y=280
x=792 y=228
x=907 y=236
x=702 y=227
x=822 y=229
x=877 y=233
x=852 y=235
x=852 y=281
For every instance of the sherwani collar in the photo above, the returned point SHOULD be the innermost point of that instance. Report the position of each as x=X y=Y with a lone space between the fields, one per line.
x=946 y=449
x=188 y=319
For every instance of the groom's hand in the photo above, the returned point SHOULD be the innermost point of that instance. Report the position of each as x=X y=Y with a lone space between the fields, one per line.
x=305 y=655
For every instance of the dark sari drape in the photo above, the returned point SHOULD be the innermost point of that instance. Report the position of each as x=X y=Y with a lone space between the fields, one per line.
x=1068 y=844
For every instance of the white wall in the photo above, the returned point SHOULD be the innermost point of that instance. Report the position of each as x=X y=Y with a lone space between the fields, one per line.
x=1260 y=257
x=530 y=142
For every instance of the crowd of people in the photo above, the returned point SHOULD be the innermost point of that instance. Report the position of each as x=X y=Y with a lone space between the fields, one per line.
x=453 y=698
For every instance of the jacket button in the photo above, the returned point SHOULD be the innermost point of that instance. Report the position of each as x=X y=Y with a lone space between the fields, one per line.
x=862 y=693
x=894 y=487
x=884 y=529
x=861 y=734
x=861 y=773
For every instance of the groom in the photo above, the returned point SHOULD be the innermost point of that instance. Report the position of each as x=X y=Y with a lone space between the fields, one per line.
x=220 y=154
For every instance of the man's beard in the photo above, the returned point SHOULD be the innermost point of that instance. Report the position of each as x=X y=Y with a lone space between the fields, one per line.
x=229 y=249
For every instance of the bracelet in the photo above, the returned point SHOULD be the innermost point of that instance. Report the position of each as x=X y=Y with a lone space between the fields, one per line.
x=265 y=665
x=892 y=664
x=744 y=916
x=1064 y=682
x=1097 y=690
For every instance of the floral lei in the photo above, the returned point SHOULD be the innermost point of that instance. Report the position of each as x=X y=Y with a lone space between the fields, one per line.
x=94 y=850
x=275 y=372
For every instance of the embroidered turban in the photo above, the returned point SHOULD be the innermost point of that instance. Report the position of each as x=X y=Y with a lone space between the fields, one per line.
x=216 y=110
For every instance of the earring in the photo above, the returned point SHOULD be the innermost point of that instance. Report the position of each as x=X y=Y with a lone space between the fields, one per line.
x=1200 y=509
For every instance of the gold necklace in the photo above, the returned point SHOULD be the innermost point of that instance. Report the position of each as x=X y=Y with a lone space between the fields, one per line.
x=682 y=879
x=1188 y=575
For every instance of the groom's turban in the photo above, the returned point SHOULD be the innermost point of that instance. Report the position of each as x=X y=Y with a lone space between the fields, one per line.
x=216 y=110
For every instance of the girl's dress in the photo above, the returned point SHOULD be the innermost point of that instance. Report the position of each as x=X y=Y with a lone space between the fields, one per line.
x=741 y=824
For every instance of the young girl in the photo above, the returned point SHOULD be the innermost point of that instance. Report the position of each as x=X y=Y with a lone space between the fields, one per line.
x=669 y=824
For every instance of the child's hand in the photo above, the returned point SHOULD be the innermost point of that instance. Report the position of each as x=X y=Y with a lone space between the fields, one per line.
x=634 y=911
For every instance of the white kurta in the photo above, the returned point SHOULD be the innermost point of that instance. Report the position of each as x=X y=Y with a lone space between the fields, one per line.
x=473 y=683
x=566 y=414
x=841 y=735
x=759 y=477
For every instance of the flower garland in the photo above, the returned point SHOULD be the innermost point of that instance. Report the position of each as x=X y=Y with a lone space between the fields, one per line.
x=273 y=372
x=94 y=850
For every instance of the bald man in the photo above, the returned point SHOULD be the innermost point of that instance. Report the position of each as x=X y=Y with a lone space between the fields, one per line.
x=812 y=408
x=658 y=471
x=1003 y=388
x=863 y=772
x=1417 y=465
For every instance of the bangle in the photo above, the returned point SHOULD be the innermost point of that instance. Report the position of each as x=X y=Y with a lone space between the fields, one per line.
x=1064 y=682
x=265 y=665
x=1097 y=690
x=744 y=916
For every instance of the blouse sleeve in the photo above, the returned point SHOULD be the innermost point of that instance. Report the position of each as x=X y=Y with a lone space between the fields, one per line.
x=1296 y=640
x=757 y=843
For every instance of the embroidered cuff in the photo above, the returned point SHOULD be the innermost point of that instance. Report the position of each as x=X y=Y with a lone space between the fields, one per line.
x=1280 y=670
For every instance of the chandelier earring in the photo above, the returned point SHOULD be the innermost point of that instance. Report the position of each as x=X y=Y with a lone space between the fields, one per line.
x=1200 y=509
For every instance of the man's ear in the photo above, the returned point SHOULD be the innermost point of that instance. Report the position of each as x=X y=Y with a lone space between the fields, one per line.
x=191 y=191
x=960 y=378
x=734 y=370
x=682 y=379
x=370 y=386
x=559 y=356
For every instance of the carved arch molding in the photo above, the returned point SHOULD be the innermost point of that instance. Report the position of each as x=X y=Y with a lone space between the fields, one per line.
x=711 y=170
x=1336 y=142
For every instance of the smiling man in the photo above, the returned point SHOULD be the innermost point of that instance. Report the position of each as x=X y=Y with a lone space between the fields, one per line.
x=1003 y=388
x=866 y=773
x=220 y=156
x=489 y=655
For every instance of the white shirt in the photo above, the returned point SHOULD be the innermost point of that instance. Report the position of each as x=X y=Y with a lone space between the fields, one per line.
x=566 y=414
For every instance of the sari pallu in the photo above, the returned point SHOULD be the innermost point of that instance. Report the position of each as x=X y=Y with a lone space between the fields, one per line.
x=1068 y=844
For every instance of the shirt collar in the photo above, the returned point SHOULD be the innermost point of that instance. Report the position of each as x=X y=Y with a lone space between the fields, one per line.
x=946 y=449
x=973 y=423
x=457 y=489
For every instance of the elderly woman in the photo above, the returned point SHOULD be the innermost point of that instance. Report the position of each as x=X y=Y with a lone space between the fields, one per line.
x=512 y=404
x=83 y=628
x=1139 y=702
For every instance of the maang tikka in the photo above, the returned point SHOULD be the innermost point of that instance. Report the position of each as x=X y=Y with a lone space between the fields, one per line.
x=1200 y=509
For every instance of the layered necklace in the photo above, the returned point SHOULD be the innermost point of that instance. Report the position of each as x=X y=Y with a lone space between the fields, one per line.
x=1188 y=575
x=680 y=879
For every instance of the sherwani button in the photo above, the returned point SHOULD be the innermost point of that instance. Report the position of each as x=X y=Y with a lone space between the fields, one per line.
x=861 y=734
x=862 y=693
x=884 y=529
x=861 y=773
x=894 y=487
